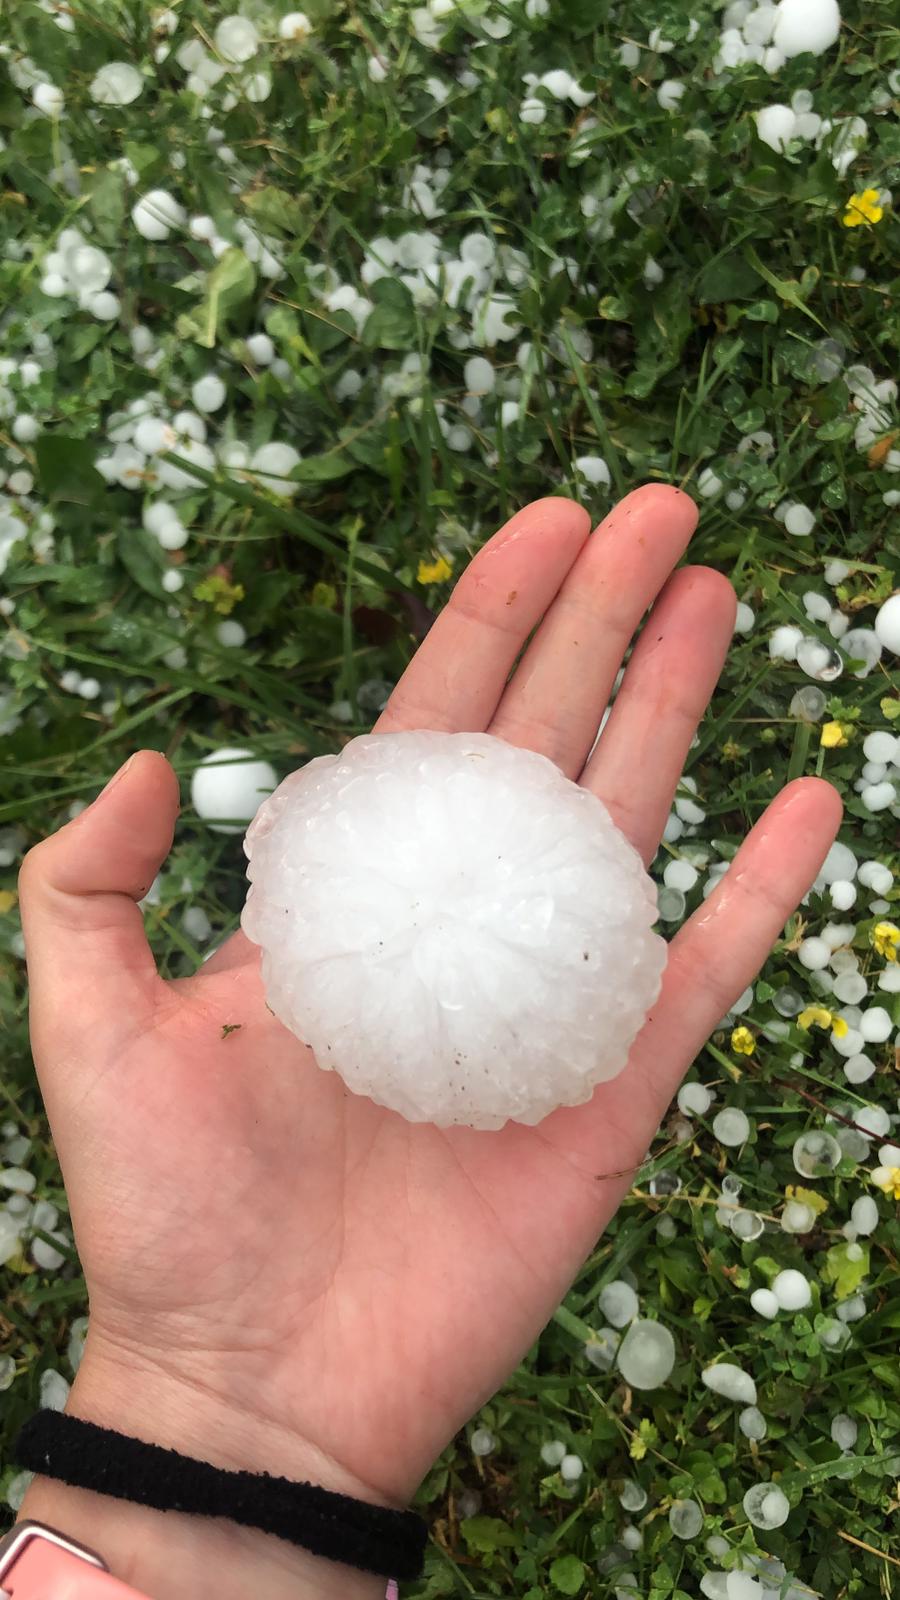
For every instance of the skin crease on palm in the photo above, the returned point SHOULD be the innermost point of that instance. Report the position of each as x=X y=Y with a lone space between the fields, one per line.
x=284 y=1276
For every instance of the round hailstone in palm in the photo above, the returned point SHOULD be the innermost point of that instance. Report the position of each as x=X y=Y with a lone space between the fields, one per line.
x=228 y=786
x=803 y=25
x=453 y=926
x=646 y=1355
x=116 y=84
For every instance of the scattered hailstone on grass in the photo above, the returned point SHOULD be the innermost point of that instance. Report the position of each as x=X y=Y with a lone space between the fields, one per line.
x=229 y=786
x=594 y=469
x=799 y=521
x=295 y=27
x=731 y=1382
x=482 y=1442
x=618 y=1303
x=552 y=1452
x=570 y=1468
x=791 y=1289
x=766 y=1506
x=54 y=1390
x=670 y=93
x=806 y=26
x=116 y=84
x=632 y=1497
x=531 y=1009
x=887 y=625
x=646 y=1355
x=272 y=464
x=156 y=213
x=816 y=1154
x=236 y=39
x=776 y=126
x=764 y=1303
x=685 y=1519
x=752 y=1423
x=208 y=393
x=694 y=1099
x=844 y=1431
x=731 y=1126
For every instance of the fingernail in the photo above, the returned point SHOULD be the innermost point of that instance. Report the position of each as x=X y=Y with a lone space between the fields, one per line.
x=117 y=776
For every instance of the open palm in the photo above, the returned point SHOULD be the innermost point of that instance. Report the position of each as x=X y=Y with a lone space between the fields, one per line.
x=292 y=1255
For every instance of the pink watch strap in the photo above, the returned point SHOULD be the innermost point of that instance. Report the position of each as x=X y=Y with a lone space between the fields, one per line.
x=39 y=1563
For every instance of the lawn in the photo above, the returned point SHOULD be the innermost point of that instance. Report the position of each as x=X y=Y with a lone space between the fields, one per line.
x=297 y=311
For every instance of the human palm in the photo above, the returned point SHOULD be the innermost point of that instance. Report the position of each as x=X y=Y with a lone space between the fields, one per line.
x=269 y=1243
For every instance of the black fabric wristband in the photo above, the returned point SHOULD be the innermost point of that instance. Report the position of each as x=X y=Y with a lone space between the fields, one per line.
x=371 y=1538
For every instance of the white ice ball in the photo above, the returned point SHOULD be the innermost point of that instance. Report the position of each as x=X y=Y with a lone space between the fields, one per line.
x=228 y=786
x=775 y=126
x=887 y=624
x=803 y=25
x=457 y=929
x=116 y=84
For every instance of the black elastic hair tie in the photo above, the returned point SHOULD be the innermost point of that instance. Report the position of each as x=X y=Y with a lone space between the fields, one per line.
x=371 y=1538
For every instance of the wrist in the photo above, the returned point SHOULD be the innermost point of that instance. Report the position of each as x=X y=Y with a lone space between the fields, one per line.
x=170 y=1554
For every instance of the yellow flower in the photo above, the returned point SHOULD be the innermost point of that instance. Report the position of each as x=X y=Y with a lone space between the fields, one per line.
x=434 y=571
x=743 y=1042
x=863 y=209
x=833 y=735
x=815 y=1017
x=888 y=1179
x=839 y=1028
x=886 y=939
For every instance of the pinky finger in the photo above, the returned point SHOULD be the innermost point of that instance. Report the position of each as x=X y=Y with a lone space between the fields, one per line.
x=723 y=945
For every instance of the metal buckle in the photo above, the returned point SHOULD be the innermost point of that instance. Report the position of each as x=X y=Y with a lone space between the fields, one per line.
x=13 y=1543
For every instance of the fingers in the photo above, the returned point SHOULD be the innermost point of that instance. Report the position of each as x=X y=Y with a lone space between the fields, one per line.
x=457 y=676
x=84 y=934
x=666 y=688
x=723 y=945
x=562 y=684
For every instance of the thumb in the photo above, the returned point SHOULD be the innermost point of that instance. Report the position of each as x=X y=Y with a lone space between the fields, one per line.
x=84 y=933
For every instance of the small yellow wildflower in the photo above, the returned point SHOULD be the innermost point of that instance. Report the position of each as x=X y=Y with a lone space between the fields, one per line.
x=886 y=939
x=743 y=1042
x=888 y=1179
x=814 y=1017
x=863 y=209
x=839 y=1028
x=833 y=735
x=434 y=571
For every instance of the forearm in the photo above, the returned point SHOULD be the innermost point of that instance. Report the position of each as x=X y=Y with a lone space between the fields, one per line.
x=180 y=1557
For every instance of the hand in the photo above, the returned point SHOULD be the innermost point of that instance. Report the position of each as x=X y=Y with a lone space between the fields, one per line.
x=284 y=1276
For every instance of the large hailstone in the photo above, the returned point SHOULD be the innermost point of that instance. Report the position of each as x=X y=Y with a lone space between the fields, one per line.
x=453 y=926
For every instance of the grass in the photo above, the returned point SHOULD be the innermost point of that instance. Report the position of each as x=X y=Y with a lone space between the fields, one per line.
x=663 y=382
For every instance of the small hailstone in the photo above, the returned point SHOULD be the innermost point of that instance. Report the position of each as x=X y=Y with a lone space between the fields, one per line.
x=172 y=580
x=775 y=126
x=863 y=645
x=797 y=1217
x=260 y=349
x=295 y=27
x=709 y=484
x=879 y=796
x=799 y=520
x=570 y=1468
x=552 y=1452
x=817 y=606
x=48 y=99
x=482 y=1442
x=815 y=1154
x=745 y=618
x=806 y=25
x=839 y=863
x=231 y=633
x=577 y=956
x=876 y=876
x=844 y=1431
x=618 y=1303
x=731 y=1126
x=646 y=1355
x=116 y=84
x=45 y=1255
x=156 y=214
x=784 y=641
x=54 y=1390
x=272 y=464
x=747 y=1224
x=859 y=1069
x=818 y=661
x=764 y=1303
x=813 y=954
x=843 y=894
x=766 y=1506
x=480 y=376
x=208 y=393
x=876 y=1025
x=808 y=704
x=694 y=1099
x=230 y=784
x=864 y=1215
x=670 y=93
x=89 y=688
x=881 y=747
x=632 y=1497
x=836 y=571
x=887 y=624
x=752 y=1423
x=601 y=1350
x=594 y=469
x=17 y=1180
x=685 y=1519
x=731 y=1382
x=236 y=39
x=629 y=55
x=791 y=1290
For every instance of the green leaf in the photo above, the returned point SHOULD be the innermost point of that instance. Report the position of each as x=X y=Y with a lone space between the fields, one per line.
x=230 y=283
x=846 y=1272
x=144 y=560
x=486 y=1535
x=392 y=325
x=567 y=1574
x=323 y=469
x=789 y=290
x=275 y=210
x=728 y=277
x=66 y=471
